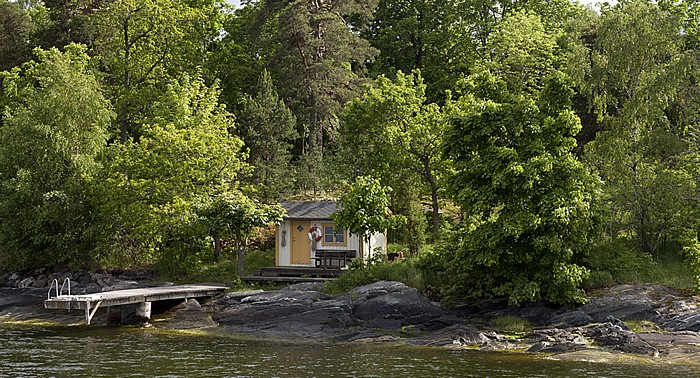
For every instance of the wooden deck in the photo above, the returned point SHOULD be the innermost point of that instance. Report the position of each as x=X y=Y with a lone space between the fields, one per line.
x=293 y=274
x=91 y=302
x=288 y=280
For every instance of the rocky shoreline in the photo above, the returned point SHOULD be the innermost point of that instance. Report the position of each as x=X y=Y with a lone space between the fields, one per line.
x=625 y=322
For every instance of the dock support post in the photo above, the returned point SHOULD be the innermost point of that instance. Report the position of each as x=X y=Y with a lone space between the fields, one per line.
x=143 y=311
x=89 y=314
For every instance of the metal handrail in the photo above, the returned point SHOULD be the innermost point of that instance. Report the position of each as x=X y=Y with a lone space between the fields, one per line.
x=67 y=280
x=55 y=281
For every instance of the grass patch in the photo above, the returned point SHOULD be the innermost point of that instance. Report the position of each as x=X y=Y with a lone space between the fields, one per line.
x=222 y=271
x=256 y=259
x=225 y=270
x=620 y=261
x=511 y=323
x=642 y=326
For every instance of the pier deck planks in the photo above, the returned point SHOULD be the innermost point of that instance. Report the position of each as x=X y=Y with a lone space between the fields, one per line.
x=131 y=296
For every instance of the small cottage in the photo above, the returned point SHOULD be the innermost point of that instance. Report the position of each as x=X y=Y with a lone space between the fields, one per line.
x=307 y=237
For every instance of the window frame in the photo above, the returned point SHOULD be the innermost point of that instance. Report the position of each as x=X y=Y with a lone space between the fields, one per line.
x=335 y=243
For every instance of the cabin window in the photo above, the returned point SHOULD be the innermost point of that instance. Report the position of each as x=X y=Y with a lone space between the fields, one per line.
x=333 y=236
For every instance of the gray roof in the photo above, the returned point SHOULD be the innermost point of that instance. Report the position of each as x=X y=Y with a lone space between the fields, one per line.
x=310 y=209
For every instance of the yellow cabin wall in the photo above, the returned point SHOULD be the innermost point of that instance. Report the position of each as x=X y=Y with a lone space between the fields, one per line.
x=289 y=240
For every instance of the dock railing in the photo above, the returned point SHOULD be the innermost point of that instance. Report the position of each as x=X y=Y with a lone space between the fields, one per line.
x=54 y=284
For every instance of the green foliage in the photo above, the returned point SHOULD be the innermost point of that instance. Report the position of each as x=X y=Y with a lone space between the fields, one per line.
x=142 y=45
x=688 y=14
x=319 y=55
x=267 y=127
x=523 y=52
x=365 y=208
x=54 y=129
x=16 y=29
x=223 y=270
x=527 y=200
x=65 y=23
x=621 y=261
x=152 y=188
x=256 y=259
x=231 y=211
x=392 y=134
x=438 y=275
x=178 y=182
x=238 y=57
x=415 y=35
x=219 y=271
x=406 y=203
x=691 y=250
x=634 y=81
x=235 y=213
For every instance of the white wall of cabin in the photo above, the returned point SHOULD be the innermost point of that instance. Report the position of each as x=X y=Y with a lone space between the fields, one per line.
x=377 y=244
x=283 y=254
x=354 y=242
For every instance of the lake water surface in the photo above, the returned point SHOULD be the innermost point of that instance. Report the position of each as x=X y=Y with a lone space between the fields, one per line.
x=130 y=352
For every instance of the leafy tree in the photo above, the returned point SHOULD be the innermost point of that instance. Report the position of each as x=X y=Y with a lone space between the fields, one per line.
x=233 y=212
x=241 y=54
x=365 y=208
x=421 y=35
x=522 y=52
x=67 y=22
x=482 y=17
x=318 y=58
x=267 y=128
x=152 y=188
x=143 y=44
x=16 y=29
x=688 y=14
x=633 y=79
x=527 y=200
x=390 y=128
x=54 y=129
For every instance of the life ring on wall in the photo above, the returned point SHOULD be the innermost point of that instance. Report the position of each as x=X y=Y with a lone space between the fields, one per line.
x=315 y=233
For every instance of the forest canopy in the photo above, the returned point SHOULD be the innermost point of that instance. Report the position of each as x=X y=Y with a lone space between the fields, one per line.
x=526 y=146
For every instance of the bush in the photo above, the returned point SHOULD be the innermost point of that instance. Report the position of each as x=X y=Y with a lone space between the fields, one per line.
x=256 y=259
x=377 y=269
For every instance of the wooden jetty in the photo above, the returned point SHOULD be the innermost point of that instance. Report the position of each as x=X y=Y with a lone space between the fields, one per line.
x=141 y=297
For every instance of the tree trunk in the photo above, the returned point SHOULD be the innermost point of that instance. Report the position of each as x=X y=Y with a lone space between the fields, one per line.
x=368 y=239
x=217 y=246
x=436 y=209
x=240 y=251
x=432 y=181
x=124 y=124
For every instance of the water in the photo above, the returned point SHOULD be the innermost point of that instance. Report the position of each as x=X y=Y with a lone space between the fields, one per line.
x=130 y=352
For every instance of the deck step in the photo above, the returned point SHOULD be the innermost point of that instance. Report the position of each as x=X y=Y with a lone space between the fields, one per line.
x=298 y=272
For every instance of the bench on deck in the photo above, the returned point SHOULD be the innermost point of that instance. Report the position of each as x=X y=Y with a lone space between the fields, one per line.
x=328 y=258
